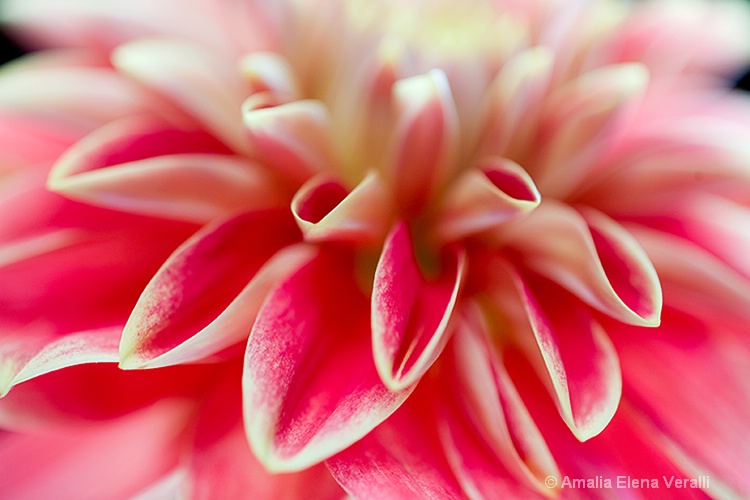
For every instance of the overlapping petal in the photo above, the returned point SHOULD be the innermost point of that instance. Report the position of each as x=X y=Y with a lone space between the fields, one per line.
x=206 y=295
x=310 y=384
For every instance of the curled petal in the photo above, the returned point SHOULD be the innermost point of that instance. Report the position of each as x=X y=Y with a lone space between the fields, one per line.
x=269 y=72
x=579 y=121
x=206 y=295
x=593 y=257
x=569 y=350
x=426 y=138
x=494 y=407
x=293 y=138
x=189 y=75
x=325 y=211
x=410 y=314
x=312 y=328
x=497 y=191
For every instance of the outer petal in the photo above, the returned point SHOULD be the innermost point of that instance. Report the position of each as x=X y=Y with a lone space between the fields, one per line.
x=114 y=459
x=207 y=87
x=312 y=328
x=206 y=295
x=401 y=459
x=410 y=314
x=593 y=257
x=143 y=165
x=220 y=464
x=669 y=379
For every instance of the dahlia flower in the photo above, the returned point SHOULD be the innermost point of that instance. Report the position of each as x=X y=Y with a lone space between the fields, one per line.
x=429 y=249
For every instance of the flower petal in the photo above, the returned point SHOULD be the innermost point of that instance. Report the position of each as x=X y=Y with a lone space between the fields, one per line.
x=190 y=75
x=144 y=166
x=325 y=211
x=313 y=327
x=569 y=350
x=293 y=138
x=206 y=295
x=410 y=314
x=593 y=257
x=669 y=378
x=401 y=458
x=497 y=191
x=220 y=464
x=494 y=412
x=425 y=143
x=114 y=459
x=580 y=119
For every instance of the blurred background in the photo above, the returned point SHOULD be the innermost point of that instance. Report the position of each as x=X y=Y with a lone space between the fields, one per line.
x=9 y=50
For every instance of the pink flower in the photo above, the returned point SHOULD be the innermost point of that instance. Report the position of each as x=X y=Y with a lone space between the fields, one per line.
x=439 y=249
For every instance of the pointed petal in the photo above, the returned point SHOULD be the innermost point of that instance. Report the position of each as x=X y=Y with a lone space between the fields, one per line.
x=206 y=295
x=592 y=256
x=313 y=328
x=33 y=351
x=190 y=75
x=325 y=211
x=426 y=138
x=144 y=166
x=493 y=412
x=221 y=466
x=401 y=458
x=114 y=459
x=410 y=314
x=497 y=191
x=293 y=138
x=569 y=350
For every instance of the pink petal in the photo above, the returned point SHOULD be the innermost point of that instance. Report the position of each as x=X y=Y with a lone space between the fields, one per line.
x=144 y=166
x=696 y=281
x=593 y=257
x=410 y=313
x=313 y=327
x=206 y=295
x=669 y=378
x=494 y=415
x=402 y=458
x=270 y=72
x=426 y=138
x=207 y=87
x=221 y=466
x=293 y=138
x=512 y=102
x=28 y=352
x=580 y=120
x=497 y=191
x=325 y=211
x=78 y=97
x=27 y=140
x=625 y=451
x=86 y=393
x=113 y=459
x=569 y=350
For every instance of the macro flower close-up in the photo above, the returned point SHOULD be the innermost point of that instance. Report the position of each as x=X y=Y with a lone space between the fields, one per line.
x=377 y=249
